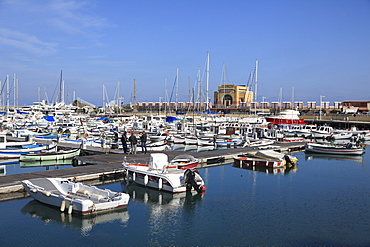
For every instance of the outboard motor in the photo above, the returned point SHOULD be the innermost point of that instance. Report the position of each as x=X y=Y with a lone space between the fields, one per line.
x=287 y=160
x=190 y=182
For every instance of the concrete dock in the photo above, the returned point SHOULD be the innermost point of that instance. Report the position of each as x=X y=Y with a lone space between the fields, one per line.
x=105 y=165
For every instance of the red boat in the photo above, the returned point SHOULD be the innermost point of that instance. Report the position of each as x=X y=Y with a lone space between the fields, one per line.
x=245 y=160
x=184 y=161
x=286 y=117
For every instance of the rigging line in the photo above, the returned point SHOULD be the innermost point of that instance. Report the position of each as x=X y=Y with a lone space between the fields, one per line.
x=173 y=89
x=2 y=88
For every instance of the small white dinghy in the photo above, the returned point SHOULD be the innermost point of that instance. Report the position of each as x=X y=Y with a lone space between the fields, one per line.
x=75 y=197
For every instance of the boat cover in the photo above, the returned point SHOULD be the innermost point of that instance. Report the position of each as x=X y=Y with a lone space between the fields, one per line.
x=158 y=161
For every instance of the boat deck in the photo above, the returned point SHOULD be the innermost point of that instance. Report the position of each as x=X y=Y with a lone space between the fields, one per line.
x=107 y=164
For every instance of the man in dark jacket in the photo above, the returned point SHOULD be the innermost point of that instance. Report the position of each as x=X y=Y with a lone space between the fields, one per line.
x=143 y=139
x=133 y=141
x=124 y=142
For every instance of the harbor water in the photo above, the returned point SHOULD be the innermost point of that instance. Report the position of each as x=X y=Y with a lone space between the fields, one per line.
x=324 y=201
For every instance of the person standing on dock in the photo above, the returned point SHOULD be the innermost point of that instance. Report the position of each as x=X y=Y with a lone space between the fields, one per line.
x=133 y=141
x=124 y=142
x=143 y=139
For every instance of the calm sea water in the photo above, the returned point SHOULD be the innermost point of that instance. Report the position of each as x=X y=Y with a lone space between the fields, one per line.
x=325 y=201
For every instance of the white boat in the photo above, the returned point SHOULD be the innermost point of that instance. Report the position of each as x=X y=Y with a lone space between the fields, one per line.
x=75 y=197
x=160 y=174
x=341 y=135
x=11 y=153
x=258 y=143
x=306 y=130
x=206 y=141
x=185 y=161
x=179 y=139
x=253 y=161
x=286 y=117
x=58 y=155
x=273 y=155
x=322 y=132
x=329 y=148
x=157 y=138
x=191 y=140
x=155 y=146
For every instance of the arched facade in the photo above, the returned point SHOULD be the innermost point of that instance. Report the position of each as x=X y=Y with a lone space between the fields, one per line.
x=231 y=96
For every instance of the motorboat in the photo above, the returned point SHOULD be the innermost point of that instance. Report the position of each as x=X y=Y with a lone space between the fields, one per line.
x=58 y=155
x=11 y=153
x=75 y=197
x=274 y=155
x=329 y=148
x=322 y=132
x=206 y=141
x=286 y=117
x=191 y=140
x=341 y=135
x=162 y=175
x=244 y=164
x=184 y=161
x=155 y=146
x=179 y=139
x=254 y=161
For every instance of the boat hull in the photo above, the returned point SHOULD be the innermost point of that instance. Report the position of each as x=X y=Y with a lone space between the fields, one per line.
x=331 y=149
x=81 y=198
x=258 y=162
x=50 y=156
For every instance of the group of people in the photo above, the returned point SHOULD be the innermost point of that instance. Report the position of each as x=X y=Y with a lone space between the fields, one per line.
x=133 y=141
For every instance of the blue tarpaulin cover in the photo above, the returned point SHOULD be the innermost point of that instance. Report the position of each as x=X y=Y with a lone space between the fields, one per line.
x=103 y=118
x=22 y=112
x=49 y=118
x=170 y=119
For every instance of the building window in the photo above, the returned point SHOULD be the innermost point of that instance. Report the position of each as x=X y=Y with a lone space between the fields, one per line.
x=227 y=100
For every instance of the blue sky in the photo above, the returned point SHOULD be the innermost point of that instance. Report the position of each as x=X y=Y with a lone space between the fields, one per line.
x=318 y=47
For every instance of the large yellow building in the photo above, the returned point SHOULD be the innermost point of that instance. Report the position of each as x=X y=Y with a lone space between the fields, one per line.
x=231 y=96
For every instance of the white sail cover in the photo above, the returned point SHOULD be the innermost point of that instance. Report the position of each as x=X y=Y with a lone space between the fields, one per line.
x=158 y=161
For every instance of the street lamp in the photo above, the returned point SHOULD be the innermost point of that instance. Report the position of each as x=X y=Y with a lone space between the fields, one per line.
x=159 y=104
x=321 y=96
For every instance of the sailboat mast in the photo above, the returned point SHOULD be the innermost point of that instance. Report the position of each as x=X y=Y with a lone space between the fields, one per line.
x=199 y=89
x=256 y=85
x=7 y=93
x=60 y=93
x=292 y=98
x=135 y=107
x=207 y=82
x=165 y=95
x=15 y=90
x=177 y=87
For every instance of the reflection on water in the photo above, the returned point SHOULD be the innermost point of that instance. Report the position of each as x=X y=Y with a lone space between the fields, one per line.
x=356 y=158
x=17 y=167
x=162 y=199
x=267 y=170
x=166 y=210
x=45 y=163
x=84 y=223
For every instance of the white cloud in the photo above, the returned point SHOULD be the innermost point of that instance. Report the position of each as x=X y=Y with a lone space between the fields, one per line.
x=25 y=42
x=74 y=17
